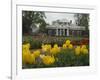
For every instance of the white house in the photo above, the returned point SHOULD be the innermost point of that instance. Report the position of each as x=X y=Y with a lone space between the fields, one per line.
x=64 y=28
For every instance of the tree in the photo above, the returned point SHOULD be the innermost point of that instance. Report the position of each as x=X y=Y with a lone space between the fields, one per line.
x=32 y=17
x=82 y=20
x=43 y=26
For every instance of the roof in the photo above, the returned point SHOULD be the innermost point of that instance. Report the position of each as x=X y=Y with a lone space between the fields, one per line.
x=66 y=27
x=63 y=20
x=77 y=27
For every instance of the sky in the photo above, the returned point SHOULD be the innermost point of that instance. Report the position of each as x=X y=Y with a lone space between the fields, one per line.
x=51 y=16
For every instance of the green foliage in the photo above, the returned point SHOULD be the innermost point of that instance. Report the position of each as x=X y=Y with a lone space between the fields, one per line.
x=65 y=58
x=82 y=20
x=68 y=58
x=34 y=44
x=32 y=17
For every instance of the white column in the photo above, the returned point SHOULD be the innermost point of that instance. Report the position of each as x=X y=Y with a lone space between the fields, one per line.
x=56 y=32
x=67 y=32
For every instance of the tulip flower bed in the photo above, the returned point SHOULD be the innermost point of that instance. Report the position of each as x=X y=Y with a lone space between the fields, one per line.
x=37 y=41
x=66 y=55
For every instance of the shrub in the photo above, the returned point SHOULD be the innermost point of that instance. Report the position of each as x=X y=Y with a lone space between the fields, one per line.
x=35 y=44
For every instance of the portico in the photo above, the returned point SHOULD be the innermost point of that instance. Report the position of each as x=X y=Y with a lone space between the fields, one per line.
x=62 y=32
x=65 y=31
x=64 y=28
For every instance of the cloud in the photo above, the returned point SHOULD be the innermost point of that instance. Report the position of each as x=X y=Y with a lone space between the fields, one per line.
x=51 y=16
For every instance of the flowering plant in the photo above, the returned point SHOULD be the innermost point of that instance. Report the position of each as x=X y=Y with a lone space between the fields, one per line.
x=55 y=56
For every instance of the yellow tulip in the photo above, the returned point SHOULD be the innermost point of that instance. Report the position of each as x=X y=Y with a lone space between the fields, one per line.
x=85 y=51
x=32 y=59
x=68 y=42
x=64 y=46
x=26 y=51
x=48 y=60
x=46 y=47
x=24 y=55
x=55 y=46
x=26 y=46
x=36 y=53
x=77 y=50
x=70 y=46
x=54 y=51
x=28 y=58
